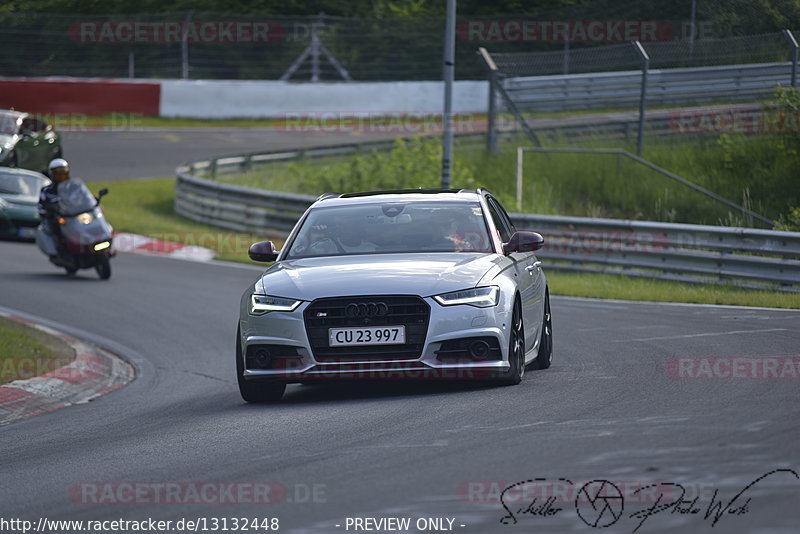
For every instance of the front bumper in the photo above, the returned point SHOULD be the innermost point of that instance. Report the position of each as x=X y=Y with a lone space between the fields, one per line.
x=293 y=357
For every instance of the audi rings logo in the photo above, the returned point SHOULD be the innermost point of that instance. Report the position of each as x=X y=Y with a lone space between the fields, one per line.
x=366 y=309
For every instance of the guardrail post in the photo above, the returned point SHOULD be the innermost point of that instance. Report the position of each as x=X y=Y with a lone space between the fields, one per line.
x=793 y=42
x=246 y=163
x=645 y=67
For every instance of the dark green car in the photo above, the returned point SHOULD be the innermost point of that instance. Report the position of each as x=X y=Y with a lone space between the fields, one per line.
x=27 y=142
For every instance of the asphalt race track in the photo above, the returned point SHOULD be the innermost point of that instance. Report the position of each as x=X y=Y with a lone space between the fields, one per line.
x=144 y=153
x=607 y=409
x=611 y=408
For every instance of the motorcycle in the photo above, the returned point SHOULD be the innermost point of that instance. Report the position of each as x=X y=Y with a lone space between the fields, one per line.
x=83 y=237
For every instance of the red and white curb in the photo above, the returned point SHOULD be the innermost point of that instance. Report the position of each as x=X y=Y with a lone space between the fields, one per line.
x=139 y=244
x=93 y=373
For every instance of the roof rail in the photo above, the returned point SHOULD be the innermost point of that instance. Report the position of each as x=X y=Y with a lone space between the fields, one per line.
x=483 y=190
x=400 y=192
x=324 y=196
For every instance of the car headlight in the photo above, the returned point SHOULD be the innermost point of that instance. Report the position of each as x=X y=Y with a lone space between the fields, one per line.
x=480 y=297
x=261 y=304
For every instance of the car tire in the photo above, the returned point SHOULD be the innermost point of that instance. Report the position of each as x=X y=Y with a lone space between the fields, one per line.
x=103 y=267
x=255 y=392
x=516 y=349
x=545 y=357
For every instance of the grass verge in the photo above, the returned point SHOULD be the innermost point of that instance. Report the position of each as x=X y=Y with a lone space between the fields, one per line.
x=26 y=352
x=145 y=207
x=608 y=286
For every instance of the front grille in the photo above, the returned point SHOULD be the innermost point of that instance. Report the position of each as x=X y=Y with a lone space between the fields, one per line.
x=400 y=310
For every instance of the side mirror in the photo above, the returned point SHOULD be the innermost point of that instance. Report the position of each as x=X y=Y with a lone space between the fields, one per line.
x=262 y=251
x=523 y=242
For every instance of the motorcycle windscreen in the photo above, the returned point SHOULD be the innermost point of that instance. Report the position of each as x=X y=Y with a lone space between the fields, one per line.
x=75 y=197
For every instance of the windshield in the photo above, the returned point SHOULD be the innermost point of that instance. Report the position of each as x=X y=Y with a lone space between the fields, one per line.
x=20 y=184
x=75 y=197
x=384 y=228
x=8 y=123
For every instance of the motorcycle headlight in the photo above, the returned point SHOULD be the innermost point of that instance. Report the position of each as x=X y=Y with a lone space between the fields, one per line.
x=480 y=297
x=85 y=218
x=261 y=304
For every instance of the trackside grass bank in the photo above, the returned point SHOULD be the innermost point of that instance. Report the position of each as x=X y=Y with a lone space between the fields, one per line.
x=757 y=171
x=145 y=207
x=26 y=352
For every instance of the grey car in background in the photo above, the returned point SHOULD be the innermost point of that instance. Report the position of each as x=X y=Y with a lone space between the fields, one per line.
x=19 y=195
x=412 y=284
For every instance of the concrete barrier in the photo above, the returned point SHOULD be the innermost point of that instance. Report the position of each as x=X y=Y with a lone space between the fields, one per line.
x=219 y=99
x=223 y=99
x=92 y=96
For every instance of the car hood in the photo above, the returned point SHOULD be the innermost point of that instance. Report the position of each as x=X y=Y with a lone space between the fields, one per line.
x=6 y=140
x=384 y=274
x=21 y=201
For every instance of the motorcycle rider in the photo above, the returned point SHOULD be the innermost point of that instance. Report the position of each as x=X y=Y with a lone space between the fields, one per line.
x=58 y=171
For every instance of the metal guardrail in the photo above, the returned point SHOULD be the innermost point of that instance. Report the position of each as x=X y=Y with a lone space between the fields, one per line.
x=664 y=87
x=685 y=252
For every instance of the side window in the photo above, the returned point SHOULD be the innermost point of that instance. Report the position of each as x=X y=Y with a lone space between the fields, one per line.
x=499 y=222
x=39 y=125
x=27 y=127
x=505 y=217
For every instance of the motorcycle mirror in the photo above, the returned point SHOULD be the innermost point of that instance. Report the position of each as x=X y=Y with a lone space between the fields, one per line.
x=103 y=192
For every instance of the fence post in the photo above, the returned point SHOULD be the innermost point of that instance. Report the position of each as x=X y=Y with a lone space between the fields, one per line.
x=793 y=42
x=185 y=46
x=643 y=97
x=490 y=64
x=131 y=67
x=491 y=126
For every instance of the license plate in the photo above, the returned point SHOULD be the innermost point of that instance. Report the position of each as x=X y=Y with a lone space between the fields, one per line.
x=367 y=335
x=26 y=232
